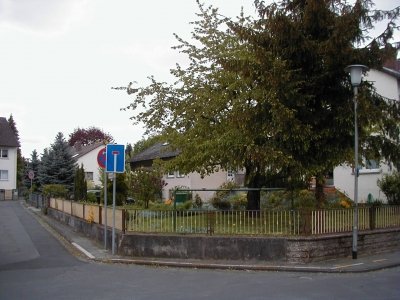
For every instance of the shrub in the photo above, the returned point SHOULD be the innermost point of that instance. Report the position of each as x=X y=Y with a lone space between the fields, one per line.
x=390 y=186
x=284 y=199
x=238 y=201
x=221 y=198
x=91 y=197
x=55 y=190
x=220 y=203
x=198 y=203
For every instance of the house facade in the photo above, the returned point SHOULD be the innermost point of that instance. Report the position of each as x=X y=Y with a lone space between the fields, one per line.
x=175 y=179
x=387 y=84
x=87 y=155
x=8 y=161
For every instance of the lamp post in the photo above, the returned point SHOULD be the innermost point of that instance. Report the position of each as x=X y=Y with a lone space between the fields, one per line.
x=355 y=74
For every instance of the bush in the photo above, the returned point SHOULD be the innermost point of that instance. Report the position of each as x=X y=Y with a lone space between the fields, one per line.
x=238 y=201
x=221 y=198
x=390 y=186
x=220 y=203
x=91 y=197
x=198 y=203
x=284 y=199
x=55 y=190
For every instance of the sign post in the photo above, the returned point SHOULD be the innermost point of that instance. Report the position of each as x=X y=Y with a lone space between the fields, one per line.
x=31 y=175
x=101 y=160
x=115 y=163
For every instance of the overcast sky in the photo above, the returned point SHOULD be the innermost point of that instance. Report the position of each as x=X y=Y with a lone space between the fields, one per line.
x=60 y=58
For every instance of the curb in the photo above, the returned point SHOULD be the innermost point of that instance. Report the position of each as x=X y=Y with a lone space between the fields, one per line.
x=244 y=267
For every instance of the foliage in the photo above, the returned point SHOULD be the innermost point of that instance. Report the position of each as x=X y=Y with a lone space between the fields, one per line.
x=89 y=136
x=198 y=203
x=338 y=200
x=220 y=200
x=91 y=198
x=80 y=185
x=55 y=190
x=269 y=94
x=32 y=165
x=238 y=201
x=57 y=165
x=147 y=184
x=390 y=186
x=121 y=190
x=296 y=199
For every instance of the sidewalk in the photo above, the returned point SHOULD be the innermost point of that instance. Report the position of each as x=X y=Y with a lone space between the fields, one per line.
x=89 y=249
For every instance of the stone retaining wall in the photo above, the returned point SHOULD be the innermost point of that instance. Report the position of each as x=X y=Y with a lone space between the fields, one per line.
x=274 y=249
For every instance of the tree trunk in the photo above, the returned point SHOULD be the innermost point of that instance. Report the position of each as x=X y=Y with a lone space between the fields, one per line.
x=254 y=179
x=319 y=190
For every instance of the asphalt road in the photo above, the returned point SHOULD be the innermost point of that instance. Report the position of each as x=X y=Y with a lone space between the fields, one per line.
x=35 y=265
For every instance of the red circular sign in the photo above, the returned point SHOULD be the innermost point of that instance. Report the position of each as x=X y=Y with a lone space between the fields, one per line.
x=31 y=174
x=101 y=158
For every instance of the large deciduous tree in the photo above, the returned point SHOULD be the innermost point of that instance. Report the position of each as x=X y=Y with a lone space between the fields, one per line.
x=89 y=136
x=269 y=94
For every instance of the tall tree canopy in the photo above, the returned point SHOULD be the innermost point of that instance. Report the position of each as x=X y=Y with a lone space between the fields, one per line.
x=57 y=165
x=89 y=136
x=270 y=94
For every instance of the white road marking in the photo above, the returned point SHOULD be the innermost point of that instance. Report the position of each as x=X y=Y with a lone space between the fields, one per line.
x=84 y=251
x=347 y=266
x=379 y=260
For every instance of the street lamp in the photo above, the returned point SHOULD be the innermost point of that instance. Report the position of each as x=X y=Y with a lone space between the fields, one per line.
x=355 y=74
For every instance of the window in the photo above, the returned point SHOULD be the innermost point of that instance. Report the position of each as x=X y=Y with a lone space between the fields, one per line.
x=89 y=176
x=370 y=166
x=3 y=153
x=4 y=175
x=179 y=175
x=171 y=174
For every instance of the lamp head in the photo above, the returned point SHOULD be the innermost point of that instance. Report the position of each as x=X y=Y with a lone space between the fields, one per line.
x=355 y=73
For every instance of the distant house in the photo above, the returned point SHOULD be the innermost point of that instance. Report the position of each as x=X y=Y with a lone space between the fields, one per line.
x=177 y=179
x=87 y=155
x=387 y=84
x=8 y=161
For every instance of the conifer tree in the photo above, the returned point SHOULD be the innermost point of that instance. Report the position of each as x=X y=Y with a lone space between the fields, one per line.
x=80 y=184
x=32 y=165
x=57 y=165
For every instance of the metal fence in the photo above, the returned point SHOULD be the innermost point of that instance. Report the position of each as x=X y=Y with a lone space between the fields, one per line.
x=214 y=222
x=36 y=200
x=267 y=222
x=232 y=222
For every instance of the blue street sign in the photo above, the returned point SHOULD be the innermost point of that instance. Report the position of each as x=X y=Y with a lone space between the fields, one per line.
x=115 y=158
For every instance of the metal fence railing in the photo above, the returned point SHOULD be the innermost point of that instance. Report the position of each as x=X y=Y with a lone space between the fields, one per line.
x=36 y=200
x=214 y=222
x=232 y=222
x=268 y=222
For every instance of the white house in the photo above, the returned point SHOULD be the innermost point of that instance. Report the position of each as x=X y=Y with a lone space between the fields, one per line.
x=387 y=84
x=176 y=179
x=87 y=155
x=8 y=160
